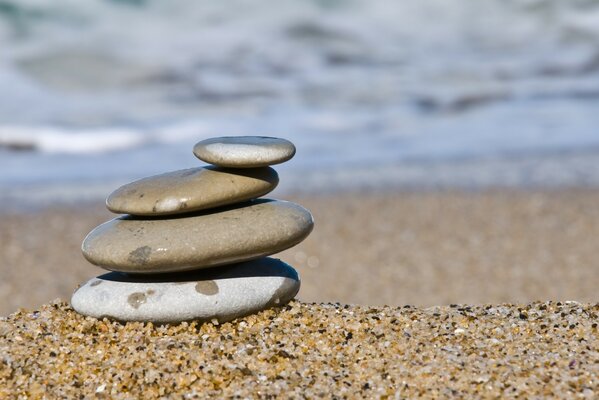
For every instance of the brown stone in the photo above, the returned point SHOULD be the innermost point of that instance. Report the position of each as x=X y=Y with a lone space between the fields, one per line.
x=191 y=190
x=204 y=239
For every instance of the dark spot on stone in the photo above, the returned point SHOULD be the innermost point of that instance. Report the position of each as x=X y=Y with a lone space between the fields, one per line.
x=95 y=283
x=136 y=299
x=182 y=205
x=142 y=195
x=150 y=292
x=140 y=256
x=209 y=288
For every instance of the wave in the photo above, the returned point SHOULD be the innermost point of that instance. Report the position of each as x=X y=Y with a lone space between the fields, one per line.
x=64 y=140
x=146 y=61
x=351 y=83
x=54 y=140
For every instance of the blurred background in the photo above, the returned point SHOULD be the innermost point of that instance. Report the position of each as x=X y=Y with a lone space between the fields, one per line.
x=448 y=149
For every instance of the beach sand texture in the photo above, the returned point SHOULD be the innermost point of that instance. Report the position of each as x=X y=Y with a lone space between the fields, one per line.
x=538 y=350
x=422 y=249
x=501 y=248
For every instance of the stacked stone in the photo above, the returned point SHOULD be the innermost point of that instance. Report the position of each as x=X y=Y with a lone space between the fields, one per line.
x=193 y=243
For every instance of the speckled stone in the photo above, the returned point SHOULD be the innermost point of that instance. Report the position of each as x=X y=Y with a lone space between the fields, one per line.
x=204 y=239
x=191 y=190
x=244 y=151
x=217 y=293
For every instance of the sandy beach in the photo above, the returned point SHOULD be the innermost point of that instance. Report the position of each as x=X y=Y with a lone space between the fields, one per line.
x=430 y=294
x=452 y=170
x=423 y=249
x=538 y=350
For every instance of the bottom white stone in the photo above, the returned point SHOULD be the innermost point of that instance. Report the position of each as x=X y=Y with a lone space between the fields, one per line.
x=221 y=293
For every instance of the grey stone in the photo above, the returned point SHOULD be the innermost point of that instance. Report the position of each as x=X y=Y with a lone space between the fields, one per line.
x=244 y=151
x=203 y=239
x=223 y=293
x=191 y=190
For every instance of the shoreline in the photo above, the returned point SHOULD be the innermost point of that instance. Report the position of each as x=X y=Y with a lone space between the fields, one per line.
x=423 y=248
x=560 y=170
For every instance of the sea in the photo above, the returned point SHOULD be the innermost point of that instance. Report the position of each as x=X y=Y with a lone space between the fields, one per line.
x=376 y=95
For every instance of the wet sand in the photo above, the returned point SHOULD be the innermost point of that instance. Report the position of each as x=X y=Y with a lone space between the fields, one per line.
x=424 y=249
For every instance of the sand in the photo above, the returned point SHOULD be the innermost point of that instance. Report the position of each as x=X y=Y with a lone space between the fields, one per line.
x=424 y=249
x=538 y=350
x=504 y=249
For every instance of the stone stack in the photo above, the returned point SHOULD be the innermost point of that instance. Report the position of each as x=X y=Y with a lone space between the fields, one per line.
x=193 y=243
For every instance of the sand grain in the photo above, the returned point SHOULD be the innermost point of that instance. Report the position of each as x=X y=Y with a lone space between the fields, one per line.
x=309 y=350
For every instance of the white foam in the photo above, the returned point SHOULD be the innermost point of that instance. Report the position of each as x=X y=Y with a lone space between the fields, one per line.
x=54 y=140
x=351 y=84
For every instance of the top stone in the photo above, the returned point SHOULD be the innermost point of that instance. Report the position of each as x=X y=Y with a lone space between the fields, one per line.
x=244 y=151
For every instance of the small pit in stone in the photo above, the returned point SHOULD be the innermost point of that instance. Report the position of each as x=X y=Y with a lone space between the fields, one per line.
x=136 y=299
x=95 y=283
x=208 y=288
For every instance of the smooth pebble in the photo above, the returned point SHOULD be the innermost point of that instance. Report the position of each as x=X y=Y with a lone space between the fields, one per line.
x=223 y=293
x=221 y=236
x=191 y=190
x=244 y=151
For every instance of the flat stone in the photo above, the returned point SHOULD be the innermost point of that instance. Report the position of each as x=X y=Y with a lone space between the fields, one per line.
x=203 y=239
x=191 y=190
x=222 y=293
x=244 y=151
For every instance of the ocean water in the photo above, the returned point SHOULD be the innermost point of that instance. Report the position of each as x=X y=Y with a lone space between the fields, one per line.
x=427 y=93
